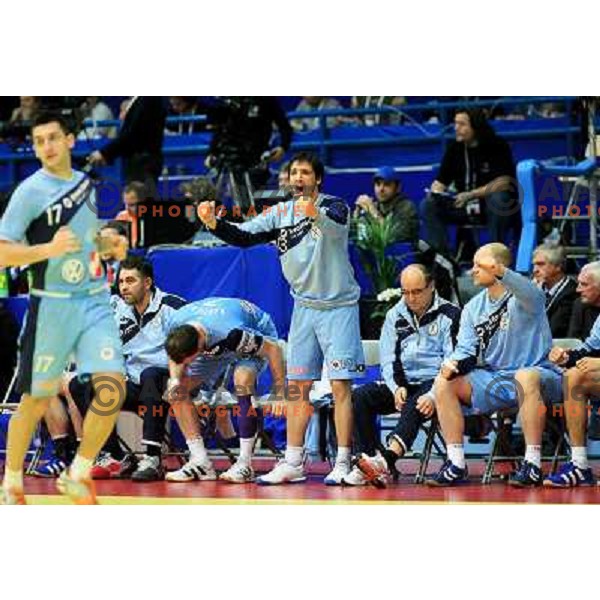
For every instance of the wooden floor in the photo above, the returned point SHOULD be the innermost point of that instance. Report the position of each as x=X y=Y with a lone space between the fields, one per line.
x=42 y=491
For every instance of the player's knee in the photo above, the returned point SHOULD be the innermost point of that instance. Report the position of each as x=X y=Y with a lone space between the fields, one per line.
x=528 y=382
x=341 y=389
x=443 y=388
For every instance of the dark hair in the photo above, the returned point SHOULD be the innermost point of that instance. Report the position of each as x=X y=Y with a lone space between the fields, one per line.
x=49 y=116
x=137 y=187
x=140 y=264
x=200 y=189
x=479 y=122
x=313 y=160
x=118 y=226
x=181 y=343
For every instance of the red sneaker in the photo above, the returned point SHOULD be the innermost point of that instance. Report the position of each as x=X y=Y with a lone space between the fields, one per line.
x=107 y=467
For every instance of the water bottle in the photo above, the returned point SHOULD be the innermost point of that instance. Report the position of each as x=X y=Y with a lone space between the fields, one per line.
x=4 y=291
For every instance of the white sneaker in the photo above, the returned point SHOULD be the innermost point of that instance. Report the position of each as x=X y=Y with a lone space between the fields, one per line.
x=239 y=472
x=354 y=478
x=374 y=468
x=283 y=472
x=193 y=471
x=340 y=470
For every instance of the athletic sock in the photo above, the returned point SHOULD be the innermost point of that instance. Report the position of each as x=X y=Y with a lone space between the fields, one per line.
x=246 y=448
x=294 y=455
x=81 y=467
x=456 y=455
x=579 y=456
x=533 y=455
x=197 y=451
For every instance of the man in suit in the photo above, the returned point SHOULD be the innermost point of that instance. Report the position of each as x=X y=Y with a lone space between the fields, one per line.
x=139 y=142
x=560 y=290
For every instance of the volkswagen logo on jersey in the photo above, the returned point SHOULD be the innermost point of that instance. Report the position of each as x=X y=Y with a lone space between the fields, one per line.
x=72 y=271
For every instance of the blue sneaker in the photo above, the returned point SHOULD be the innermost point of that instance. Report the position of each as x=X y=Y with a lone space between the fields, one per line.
x=570 y=476
x=50 y=469
x=528 y=475
x=448 y=475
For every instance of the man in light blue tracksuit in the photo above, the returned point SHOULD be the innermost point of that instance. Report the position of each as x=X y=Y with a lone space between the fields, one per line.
x=311 y=234
x=418 y=334
x=500 y=361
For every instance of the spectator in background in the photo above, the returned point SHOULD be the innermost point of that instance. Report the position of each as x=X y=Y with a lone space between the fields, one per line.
x=95 y=110
x=480 y=167
x=133 y=193
x=312 y=103
x=389 y=200
x=139 y=143
x=112 y=265
x=28 y=108
x=549 y=272
x=378 y=102
x=184 y=106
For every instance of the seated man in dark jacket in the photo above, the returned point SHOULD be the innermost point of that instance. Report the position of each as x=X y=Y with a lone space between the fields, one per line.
x=480 y=166
x=389 y=200
x=560 y=290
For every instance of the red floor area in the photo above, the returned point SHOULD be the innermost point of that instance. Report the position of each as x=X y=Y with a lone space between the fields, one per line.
x=314 y=491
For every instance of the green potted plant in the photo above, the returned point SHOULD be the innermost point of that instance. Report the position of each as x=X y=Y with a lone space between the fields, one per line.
x=373 y=236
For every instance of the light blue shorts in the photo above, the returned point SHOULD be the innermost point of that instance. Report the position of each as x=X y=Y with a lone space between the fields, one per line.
x=332 y=335
x=57 y=328
x=497 y=390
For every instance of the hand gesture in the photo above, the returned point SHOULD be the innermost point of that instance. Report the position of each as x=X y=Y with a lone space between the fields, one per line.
x=426 y=406
x=588 y=364
x=400 y=398
x=64 y=242
x=558 y=355
x=449 y=369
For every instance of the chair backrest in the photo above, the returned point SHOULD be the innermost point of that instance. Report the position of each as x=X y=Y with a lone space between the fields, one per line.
x=566 y=343
x=371 y=351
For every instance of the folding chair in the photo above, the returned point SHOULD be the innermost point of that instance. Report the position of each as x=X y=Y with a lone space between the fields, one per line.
x=502 y=450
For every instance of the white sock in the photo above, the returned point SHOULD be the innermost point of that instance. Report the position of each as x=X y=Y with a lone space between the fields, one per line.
x=197 y=450
x=533 y=454
x=579 y=456
x=80 y=467
x=13 y=480
x=343 y=454
x=456 y=455
x=246 y=448
x=294 y=455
